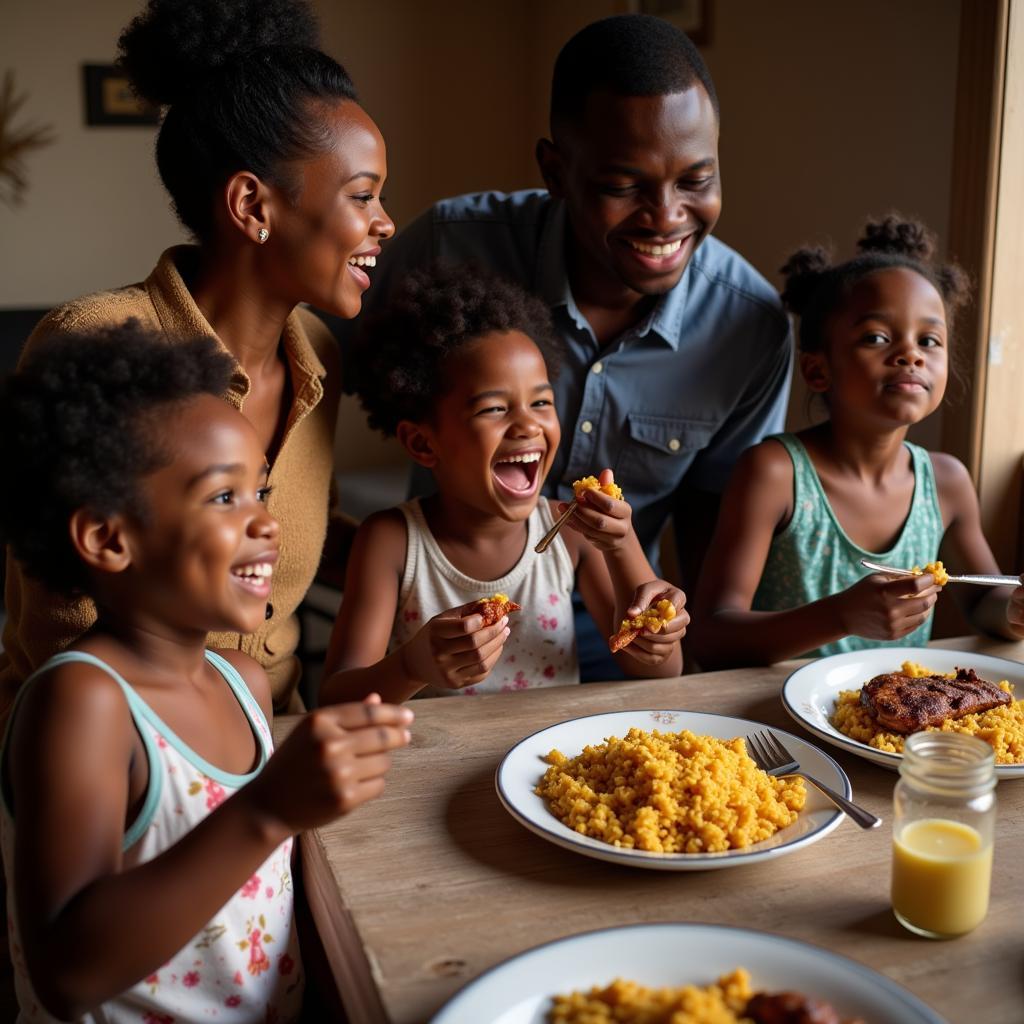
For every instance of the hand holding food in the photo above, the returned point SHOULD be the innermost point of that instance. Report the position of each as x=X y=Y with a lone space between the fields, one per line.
x=880 y=608
x=937 y=571
x=460 y=646
x=601 y=515
x=656 y=621
x=566 y=510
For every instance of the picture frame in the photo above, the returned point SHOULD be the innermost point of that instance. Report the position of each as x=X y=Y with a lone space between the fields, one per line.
x=110 y=101
x=692 y=16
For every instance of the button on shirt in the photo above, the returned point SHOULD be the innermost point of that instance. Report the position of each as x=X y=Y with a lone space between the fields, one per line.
x=680 y=395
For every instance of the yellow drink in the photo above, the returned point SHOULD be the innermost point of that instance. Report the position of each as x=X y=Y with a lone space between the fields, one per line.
x=941 y=872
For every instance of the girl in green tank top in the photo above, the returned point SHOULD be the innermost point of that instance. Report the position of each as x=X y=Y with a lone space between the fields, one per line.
x=783 y=577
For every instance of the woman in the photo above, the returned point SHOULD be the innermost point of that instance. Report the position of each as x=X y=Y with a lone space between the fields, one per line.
x=276 y=171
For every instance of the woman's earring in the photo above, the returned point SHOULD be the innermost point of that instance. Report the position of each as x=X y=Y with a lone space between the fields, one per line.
x=262 y=235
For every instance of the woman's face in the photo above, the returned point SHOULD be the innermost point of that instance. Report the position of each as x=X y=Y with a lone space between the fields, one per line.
x=325 y=242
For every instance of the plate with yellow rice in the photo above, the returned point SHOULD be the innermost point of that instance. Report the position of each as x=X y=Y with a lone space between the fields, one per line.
x=824 y=697
x=667 y=790
x=708 y=959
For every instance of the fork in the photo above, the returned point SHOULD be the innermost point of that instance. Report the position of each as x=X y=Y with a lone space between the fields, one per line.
x=548 y=537
x=772 y=757
x=986 y=581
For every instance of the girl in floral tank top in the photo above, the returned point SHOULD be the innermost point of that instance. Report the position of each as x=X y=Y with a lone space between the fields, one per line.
x=146 y=829
x=783 y=576
x=459 y=369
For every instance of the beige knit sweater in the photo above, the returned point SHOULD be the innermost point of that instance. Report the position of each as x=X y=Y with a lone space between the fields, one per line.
x=39 y=623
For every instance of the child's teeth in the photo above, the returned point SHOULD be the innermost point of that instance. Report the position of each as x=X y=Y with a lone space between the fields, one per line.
x=260 y=569
x=528 y=457
x=363 y=261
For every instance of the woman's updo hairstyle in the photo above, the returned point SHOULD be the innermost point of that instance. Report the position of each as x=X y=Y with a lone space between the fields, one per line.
x=241 y=81
x=815 y=287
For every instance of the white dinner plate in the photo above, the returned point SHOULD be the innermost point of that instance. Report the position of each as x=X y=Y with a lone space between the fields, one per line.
x=519 y=991
x=522 y=767
x=810 y=693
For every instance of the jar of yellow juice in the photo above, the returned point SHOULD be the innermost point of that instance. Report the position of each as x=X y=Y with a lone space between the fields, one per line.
x=942 y=830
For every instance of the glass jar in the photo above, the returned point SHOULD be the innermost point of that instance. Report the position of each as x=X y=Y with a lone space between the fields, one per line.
x=944 y=809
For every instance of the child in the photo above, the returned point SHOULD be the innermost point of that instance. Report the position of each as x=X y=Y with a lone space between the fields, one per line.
x=801 y=510
x=459 y=370
x=146 y=830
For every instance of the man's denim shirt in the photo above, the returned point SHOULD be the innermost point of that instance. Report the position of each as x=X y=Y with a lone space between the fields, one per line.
x=678 y=396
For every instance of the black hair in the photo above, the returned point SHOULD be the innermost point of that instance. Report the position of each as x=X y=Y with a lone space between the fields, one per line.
x=78 y=430
x=626 y=55
x=241 y=80
x=397 y=365
x=815 y=287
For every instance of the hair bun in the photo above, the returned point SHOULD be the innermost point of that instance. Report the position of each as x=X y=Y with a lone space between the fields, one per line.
x=901 y=237
x=174 y=43
x=803 y=271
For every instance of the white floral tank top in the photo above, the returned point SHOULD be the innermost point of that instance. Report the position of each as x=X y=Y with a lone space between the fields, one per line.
x=243 y=965
x=541 y=649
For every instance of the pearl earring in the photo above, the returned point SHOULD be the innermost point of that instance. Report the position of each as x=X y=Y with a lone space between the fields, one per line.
x=262 y=235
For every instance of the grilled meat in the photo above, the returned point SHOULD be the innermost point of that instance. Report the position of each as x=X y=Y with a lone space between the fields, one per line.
x=904 y=704
x=791 y=1008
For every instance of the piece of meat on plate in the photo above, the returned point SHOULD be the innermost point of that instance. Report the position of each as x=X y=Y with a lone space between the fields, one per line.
x=792 y=1008
x=905 y=704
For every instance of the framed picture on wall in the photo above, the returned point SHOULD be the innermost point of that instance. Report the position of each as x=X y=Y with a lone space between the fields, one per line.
x=692 y=16
x=109 y=99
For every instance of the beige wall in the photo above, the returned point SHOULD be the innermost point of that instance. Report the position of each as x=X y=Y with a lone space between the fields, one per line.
x=829 y=112
x=95 y=214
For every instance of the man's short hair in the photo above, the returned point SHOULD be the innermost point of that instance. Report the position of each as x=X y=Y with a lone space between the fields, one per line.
x=626 y=55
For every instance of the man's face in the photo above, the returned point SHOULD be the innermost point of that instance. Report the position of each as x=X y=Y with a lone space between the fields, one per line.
x=639 y=176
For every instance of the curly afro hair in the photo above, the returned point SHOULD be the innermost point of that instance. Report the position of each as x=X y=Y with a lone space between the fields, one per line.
x=78 y=430
x=397 y=364
x=815 y=287
x=244 y=84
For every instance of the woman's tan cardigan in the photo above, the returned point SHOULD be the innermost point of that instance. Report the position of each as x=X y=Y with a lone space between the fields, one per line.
x=40 y=623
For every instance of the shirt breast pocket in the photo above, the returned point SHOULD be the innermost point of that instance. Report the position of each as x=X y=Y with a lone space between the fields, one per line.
x=662 y=447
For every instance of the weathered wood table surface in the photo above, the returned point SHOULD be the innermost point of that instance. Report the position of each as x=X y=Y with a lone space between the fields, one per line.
x=419 y=892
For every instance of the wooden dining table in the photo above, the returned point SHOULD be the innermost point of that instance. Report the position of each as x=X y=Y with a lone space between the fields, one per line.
x=419 y=892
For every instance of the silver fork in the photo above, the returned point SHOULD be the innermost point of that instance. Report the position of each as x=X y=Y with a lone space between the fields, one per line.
x=772 y=757
x=985 y=581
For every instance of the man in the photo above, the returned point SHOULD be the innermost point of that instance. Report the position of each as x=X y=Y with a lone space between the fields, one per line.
x=678 y=351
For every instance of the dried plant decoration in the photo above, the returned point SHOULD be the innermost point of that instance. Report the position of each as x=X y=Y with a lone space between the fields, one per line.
x=16 y=143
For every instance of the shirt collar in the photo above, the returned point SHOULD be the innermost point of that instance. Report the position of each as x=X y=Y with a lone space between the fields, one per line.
x=179 y=314
x=551 y=283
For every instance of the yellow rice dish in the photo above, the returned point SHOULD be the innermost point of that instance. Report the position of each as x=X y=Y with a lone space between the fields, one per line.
x=1002 y=728
x=937 y=569
x=669 y=793
x=626 y=1002
x=591 y=483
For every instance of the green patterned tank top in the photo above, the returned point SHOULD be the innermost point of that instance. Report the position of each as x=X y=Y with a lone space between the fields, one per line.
x=813 y=557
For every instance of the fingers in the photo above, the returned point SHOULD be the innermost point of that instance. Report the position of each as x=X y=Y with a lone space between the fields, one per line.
x=909 y=586
x=457 y=622
x=363 y=715
x=468 y=644
x=648 y=593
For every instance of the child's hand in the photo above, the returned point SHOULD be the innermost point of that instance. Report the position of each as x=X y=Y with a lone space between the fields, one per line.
x=880 y=608
x=454 y=649
x=604 y=521
x=654 y=648
x=1015 y=609
x=334 y=760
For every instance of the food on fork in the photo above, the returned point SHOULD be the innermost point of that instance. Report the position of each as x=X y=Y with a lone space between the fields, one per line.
x=729 y=1000
x=591 y=483
x=650 y=621
x=494 y=607
x=1001 y=725
x=937 y=569
x=906 y=704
